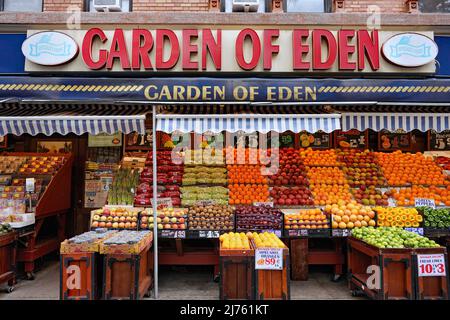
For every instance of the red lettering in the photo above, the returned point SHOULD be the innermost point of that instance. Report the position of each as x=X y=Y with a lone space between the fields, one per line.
x=317 y=36
x=344 y=37
x=368 y=46
x=161 y=36
x=88 y=41
x=118 y=51
x=256 y=52
x=269 y=48
x=299 y=49
x=214 y=48
x=142 y=45
x=189 y=49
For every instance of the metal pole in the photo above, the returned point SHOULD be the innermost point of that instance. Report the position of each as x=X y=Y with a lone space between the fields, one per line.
x=155 y=205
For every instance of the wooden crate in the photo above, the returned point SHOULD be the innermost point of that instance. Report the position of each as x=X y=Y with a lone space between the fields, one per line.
x=8 y=251
x=237 y=274
x=128 y=276
x=431 y=288
x=80 y=276
x=273 y=284
x=395 y=269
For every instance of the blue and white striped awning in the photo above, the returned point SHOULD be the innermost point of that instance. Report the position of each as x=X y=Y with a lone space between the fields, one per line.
x=48 y=119
x=248 y=122
x=395 y=121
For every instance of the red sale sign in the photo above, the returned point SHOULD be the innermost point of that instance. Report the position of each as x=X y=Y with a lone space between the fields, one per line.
x=431 y=265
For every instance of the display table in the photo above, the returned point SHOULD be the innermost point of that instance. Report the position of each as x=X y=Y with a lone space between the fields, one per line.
x=8 y=245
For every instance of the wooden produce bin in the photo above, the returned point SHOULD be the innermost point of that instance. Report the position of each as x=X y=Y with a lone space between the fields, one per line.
x=128 y=276
x=85 y=267
x=431 y=287
x=396 y=271
x=274 y=284
x=237 y=269
x=8 y=259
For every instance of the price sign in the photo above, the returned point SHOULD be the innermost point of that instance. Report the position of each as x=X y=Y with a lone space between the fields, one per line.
x=260 y=204
x=317 y=140
x=173 y=234
x=269 y=259
x=208 y=234
x=352 y=139
x=205 y=203
x=163 y=203
x=340 y=232
x=422 y=202
x=30 y=184
x=390 y=141
x=431 y=265
x=276 y=232
x=439 y=141
x=418 y=231
x=298 y=233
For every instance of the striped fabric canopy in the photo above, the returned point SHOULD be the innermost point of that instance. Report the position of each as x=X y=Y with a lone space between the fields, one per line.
x=395 y=121
x=248 y=122
x=65 y=119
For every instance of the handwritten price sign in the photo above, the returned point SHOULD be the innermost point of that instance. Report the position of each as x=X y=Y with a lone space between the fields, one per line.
x=431 y=265
x=269 y=259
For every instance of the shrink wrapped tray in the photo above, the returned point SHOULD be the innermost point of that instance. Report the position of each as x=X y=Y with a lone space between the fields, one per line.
x=86 y=242
x=258 y=218
x=126 y=242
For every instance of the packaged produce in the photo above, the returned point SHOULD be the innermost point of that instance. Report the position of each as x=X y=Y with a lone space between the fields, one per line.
x=392 y=237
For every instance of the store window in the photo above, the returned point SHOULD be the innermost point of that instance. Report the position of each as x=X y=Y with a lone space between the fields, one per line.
x=227 y=5
x=127 y=5
x=21 y=5
x=430 y=6
x=307 y=5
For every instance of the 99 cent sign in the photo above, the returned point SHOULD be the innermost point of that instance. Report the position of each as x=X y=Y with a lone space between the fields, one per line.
x=269 y=259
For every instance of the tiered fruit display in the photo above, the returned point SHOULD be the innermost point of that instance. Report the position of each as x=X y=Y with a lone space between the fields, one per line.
x=370 y=195
x=191 y=195
x=204 y=175
x=42 y=165
x=258 y=218
x=349 y=215
x=391 y=237
x=360 y=168
x=326 y=175
x=209 y=156
x=403 y=169
x=168 y=218
x=327 y=194
x=398 y=217
x=144 y=194
x=291 y=169
x=115 y=218
x=10 y=165
x=248 y=193
x=266 y=240
x=407 y=196
x=306 y=219
x=213 y=217
x=5 y=228
x=245 y=174
x=234 y=241
x=291 y=196
x=243 y=156
x=319 y=158
x=435 y=218
x=123 y=187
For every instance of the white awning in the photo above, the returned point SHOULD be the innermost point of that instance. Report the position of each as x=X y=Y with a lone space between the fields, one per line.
x=248 y=122
x=395 y=121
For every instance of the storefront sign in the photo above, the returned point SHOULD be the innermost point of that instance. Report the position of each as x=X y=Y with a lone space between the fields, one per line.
x=410 y=50
x=317 y=140
x=269 y=259
x=439 y=141
x=390 y=141
x=431 y=265
x=352 y=139
x=49 y=48
x=225 y=89
x=421 y=202
x=105 y=140
x=229 y=50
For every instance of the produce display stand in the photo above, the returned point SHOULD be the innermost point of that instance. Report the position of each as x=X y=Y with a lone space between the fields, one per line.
x=237 y=274
x=128 y=276
x=54 y=203
x=8 y=246
x=274 y=284
x=396 y=271
x=431 y=287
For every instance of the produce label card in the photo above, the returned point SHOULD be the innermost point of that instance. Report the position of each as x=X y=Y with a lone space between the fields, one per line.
x=269 y=259
x=421 y=202
x=431 y=265
x=418 y=231
x=209 y=234
x=260 y=204
x=276 y=232
x=29 y=184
